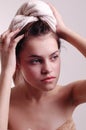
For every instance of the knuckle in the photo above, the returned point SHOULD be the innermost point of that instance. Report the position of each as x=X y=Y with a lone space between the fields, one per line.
x=6 y=37
x=14 y=40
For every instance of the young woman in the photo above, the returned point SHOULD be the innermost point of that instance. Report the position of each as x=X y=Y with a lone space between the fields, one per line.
x=32 y=57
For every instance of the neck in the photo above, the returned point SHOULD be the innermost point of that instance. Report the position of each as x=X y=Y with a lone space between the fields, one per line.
x=31 y=93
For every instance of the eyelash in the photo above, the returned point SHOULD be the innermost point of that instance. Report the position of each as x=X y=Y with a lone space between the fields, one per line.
x=55 y=57
x=35 y=61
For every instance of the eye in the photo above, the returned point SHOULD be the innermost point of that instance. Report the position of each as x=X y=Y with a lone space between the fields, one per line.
x=35 y=61
x=54 y=57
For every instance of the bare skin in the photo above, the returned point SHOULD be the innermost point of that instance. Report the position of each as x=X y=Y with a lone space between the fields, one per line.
x=45 y=97
x=38 y=104
x=51 y=112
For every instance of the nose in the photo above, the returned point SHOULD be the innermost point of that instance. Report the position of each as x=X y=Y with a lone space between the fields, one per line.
x=46 y=68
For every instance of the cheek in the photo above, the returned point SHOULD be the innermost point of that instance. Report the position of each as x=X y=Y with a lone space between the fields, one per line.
x=34 y=71
x=31 y=72
x=57 y=67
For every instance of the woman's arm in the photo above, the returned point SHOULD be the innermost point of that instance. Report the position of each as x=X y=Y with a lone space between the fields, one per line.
x=8 y=65
x=5 y=90
x=77 y=92
x=78 y=88
x=75 y=39
x=67 y=34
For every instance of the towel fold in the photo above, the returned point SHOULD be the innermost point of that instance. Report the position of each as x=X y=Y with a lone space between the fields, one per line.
x=31 y=11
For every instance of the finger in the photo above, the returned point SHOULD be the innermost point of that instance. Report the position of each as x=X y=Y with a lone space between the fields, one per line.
x=14 y=33
x=9 y=33
x=15 y=41
x=2 y=37
x=5 y=33
x=8 y=37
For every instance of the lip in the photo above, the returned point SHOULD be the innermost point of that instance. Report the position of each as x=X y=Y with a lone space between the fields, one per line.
x=48 y=79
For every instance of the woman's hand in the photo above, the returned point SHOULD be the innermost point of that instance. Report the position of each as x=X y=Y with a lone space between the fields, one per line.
x=60 y=24
x=7 y=49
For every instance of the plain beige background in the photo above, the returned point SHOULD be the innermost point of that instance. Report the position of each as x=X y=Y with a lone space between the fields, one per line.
x=73 y=66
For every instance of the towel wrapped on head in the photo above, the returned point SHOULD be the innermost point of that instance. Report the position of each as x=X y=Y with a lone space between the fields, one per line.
x=32 y=11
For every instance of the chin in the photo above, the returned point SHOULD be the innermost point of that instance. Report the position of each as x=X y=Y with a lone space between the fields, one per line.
x=48 y=87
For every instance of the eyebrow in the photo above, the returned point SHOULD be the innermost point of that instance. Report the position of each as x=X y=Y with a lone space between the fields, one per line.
x=38 y=56
x=54 y=53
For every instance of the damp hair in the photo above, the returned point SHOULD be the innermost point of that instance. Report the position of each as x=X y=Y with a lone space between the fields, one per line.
x=34 y=29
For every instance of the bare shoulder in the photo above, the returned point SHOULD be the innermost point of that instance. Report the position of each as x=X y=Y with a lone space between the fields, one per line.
x=64 y=92
x=63 y=95
x=75 y=92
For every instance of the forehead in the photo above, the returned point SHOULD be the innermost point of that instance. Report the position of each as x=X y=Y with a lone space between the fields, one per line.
x=40 y=46
x=44 y=42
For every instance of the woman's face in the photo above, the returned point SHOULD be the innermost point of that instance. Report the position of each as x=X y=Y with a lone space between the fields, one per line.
x=40 y=62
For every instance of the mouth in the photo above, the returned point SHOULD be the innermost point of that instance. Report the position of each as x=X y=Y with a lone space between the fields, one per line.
x=48 y=79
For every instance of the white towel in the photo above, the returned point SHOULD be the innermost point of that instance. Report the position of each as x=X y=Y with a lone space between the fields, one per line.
x=30 y=11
